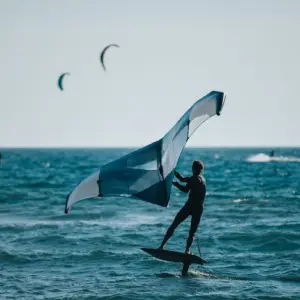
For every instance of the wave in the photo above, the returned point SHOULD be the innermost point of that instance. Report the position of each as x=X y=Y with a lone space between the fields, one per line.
x=40 y=184
x=262 y=157
x=18 y=258
x=285 y=242
x=25 y=257
x=290 y=278
x=249 y=201
x=22 y=225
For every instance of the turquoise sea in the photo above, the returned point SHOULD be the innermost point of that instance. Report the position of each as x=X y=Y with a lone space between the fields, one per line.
x=249 y=232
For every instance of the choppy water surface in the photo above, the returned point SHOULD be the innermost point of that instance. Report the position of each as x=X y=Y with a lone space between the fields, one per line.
x=249 y=233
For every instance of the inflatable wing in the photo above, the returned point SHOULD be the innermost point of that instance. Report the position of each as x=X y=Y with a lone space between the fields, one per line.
x=103 y=52
x=147 y=173
x=60 y=80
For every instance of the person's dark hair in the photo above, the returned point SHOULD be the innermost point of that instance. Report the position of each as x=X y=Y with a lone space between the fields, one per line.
x=198 y=166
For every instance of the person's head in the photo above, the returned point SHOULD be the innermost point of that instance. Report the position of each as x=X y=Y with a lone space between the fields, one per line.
x=197 y=167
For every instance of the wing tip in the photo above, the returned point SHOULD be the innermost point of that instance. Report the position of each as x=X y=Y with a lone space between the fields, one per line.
x=220 y=101
x=67 y=209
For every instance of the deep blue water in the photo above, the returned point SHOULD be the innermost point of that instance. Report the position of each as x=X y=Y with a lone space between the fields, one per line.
x=249 y=232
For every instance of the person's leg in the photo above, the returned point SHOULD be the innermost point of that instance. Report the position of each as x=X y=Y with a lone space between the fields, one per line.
x=180 y=217
x=194 y=225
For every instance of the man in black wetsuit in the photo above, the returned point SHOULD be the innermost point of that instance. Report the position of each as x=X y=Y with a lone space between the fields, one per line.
x=193 y=207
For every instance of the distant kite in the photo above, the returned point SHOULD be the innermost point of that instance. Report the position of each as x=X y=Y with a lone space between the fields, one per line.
x=60 y=80
x=103 y=52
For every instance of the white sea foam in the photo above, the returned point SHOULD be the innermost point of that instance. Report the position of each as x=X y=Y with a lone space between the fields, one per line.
x=262 y=157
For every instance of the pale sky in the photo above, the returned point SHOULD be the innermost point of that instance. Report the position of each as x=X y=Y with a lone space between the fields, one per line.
x=171 y=54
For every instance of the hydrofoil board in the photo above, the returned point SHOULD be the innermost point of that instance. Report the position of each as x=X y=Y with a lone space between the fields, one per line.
x=175 y=256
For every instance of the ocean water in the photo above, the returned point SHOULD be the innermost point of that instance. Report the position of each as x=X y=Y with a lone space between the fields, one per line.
x=249 y=232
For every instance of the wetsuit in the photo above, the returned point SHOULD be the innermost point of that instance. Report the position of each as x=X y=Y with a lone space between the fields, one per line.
x=193 y=207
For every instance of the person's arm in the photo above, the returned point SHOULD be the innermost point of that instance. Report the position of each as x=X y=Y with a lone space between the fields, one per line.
x=181 y=178
x=184 y=189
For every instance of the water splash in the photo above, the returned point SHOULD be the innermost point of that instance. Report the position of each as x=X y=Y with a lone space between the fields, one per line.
x=262 y=157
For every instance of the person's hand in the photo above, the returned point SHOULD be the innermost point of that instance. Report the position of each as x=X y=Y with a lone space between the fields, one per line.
x=177 y=175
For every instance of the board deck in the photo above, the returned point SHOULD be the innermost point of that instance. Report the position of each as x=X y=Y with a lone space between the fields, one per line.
x=175 y=256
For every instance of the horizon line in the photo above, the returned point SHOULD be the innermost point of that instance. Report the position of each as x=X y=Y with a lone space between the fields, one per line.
x=138 y=147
